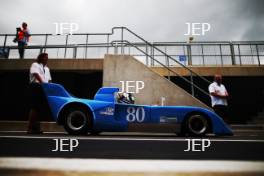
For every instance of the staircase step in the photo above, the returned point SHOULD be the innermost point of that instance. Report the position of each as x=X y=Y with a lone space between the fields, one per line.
x=248 y=132
x=258 y=118
x=257 y=122
x=247 y=126
x=261 y=114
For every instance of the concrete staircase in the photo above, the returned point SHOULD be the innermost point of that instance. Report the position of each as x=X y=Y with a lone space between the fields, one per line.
x=258 y=119
x=157 y=89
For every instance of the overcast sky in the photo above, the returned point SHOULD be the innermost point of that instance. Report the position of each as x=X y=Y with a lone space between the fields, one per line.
x=155 y=20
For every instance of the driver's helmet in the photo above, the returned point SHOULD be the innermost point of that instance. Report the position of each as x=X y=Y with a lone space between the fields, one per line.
x=126 y=98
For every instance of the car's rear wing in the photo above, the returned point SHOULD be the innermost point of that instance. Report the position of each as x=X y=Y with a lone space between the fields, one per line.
x=103 y=94
x=51 y=89
x=106 y=94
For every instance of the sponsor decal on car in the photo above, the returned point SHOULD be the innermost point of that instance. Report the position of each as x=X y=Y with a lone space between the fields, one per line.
x=164 y=119
x=107 y=111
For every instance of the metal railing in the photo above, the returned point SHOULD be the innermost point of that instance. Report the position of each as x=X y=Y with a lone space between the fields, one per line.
x=154 y=49
x=172 y=72
x=122 y=40
x=86 y=45
x=117 y=43
x=217 y=53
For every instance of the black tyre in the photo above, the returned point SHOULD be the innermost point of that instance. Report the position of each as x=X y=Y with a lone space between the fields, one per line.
x=77 y=121
x=197 y=125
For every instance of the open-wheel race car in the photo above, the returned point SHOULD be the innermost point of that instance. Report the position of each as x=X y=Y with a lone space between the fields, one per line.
x=105 y=114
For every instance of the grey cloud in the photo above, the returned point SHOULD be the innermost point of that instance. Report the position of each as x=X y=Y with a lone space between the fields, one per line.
x=155 y=20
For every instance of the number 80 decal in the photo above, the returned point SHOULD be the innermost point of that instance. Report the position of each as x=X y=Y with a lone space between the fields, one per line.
x=135 y=114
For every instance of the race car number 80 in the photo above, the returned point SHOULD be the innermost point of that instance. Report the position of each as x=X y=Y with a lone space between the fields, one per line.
x=135 y=114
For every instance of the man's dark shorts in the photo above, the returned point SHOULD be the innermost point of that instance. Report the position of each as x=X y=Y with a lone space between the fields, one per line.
x=222 y=111
x=37 y=97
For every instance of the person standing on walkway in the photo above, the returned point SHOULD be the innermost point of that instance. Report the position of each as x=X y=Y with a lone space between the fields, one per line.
x=39 y=73
x=219 y=96
x=22 y=39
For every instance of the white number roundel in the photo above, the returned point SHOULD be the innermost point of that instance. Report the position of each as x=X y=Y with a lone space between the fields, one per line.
x=135 y=114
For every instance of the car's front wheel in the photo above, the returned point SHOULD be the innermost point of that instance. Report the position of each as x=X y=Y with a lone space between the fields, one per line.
x=197 y=125
x=77 y=121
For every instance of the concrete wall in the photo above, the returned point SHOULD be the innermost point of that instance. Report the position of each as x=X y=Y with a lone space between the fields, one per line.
x=123 y=68
x=86 y=65
x=54 y=64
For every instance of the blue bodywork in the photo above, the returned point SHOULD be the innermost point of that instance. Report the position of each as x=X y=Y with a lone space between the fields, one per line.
x=108 y=115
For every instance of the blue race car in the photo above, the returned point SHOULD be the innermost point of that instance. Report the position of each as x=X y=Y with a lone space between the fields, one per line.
x=105 y=114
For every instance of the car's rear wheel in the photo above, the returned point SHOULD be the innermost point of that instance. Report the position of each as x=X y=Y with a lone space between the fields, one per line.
x=197 y=125
x=77 y=121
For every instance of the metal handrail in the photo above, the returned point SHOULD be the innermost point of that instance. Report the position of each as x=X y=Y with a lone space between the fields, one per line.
x=169 y=57
x=149 y=44
x=168 y=68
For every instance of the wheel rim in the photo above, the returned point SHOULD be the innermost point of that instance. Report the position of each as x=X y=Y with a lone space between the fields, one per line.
x=76 y=120
x=197 y=124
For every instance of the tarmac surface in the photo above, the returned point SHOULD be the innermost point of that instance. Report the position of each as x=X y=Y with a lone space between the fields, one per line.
x=132 y=146
x=135 y=154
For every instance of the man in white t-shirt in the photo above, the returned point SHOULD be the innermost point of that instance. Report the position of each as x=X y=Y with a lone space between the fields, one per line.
x=219 y=96
x=39 y=73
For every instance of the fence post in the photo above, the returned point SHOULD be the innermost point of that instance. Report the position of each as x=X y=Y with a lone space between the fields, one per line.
x=240 y=61
x=116 y=48
x=221 y=55
x=153 y=55
x=167 y=62
x=232 y=53
x=45 y=44
x=5 y=45
x=189 y=53
x=74 y=52
x=65 y=51
x=86 y=45
x=203 y=54
x=107 y=49
x=258 y=54
x=122 y=40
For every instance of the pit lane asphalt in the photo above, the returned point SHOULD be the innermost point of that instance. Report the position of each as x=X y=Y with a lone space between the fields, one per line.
x=132 y=146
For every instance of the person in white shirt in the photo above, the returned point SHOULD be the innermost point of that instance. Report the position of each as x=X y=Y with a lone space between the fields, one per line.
x=39 y=73
x=219 y=96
